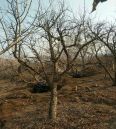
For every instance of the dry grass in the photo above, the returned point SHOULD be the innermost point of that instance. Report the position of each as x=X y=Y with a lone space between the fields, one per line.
x=93 y=106
x=8 y=69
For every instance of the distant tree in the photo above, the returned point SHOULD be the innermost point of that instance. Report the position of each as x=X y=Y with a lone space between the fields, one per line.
x=102 y=55
x=106 y=34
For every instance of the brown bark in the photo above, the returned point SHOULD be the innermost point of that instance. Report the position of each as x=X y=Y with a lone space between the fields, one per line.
x=53 y=103
x=114 y=83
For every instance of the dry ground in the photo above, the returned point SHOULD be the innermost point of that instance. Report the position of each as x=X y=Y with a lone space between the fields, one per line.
x=92 y=106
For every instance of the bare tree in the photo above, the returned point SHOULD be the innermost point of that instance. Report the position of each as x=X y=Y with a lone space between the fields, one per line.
x=14 y=24
x=17 y=25
x=51 y=39
x=102 y=55
x=53 y=44
x=106 y=34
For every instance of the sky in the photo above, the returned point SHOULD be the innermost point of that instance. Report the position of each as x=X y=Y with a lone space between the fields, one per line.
x=105 y=10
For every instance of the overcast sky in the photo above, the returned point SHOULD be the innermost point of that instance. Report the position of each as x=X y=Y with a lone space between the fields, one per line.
x=105 y=10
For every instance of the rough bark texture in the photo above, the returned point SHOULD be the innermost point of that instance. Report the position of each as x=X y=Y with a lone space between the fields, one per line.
x=53 y=103
x=114 y=83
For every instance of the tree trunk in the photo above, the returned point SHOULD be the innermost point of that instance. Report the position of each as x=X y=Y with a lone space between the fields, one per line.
x=53 y=103
x=19 y=69
x=83 y=63
x=114 y=83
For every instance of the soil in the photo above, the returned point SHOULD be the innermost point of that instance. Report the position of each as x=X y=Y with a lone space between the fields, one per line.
x=83 y=103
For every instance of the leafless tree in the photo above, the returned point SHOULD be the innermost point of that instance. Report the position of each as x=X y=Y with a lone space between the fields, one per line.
x=102 y=55
x=106 y=34
x=53 y=44
x=52 y=36
x=15 y=25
